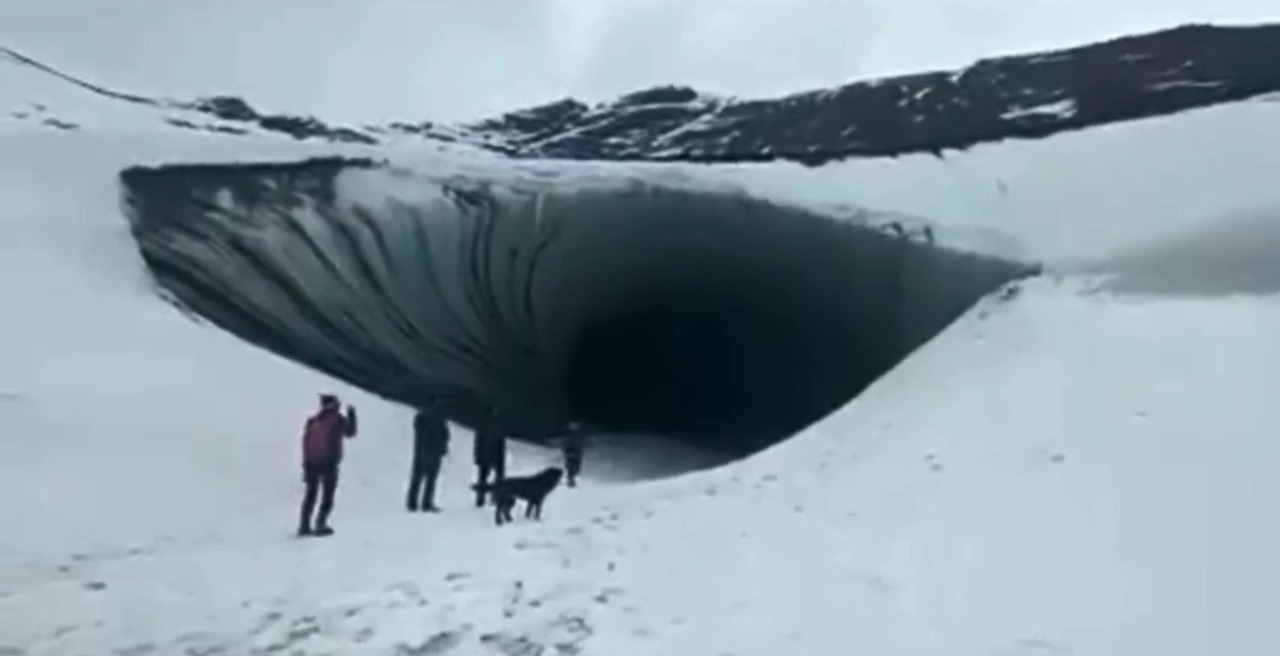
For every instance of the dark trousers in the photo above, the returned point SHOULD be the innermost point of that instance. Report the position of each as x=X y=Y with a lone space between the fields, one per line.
x=572 y=466
x=498 y=470
x=321 y=481
x=422 y=484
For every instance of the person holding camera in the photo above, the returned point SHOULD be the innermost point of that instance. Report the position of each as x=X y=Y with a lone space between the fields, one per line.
x=322 y=442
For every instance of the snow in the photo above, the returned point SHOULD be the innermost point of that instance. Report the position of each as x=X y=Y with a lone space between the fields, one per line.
x=32 y=95
x=1076 y=195
x=1070 y=470
x=1062 y=108
x=1041 y=503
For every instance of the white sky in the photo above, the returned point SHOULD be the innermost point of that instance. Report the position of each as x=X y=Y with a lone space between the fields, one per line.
x=377 y=60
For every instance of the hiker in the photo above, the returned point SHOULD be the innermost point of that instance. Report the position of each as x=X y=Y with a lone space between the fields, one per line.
x=490 y=455
x=572 y=445
x=321 y=454
x=430 y=444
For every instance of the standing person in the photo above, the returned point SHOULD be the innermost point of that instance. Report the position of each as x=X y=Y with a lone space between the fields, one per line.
x=489 y=454
x=321 y=454
x=430 y=444
x=572 y=445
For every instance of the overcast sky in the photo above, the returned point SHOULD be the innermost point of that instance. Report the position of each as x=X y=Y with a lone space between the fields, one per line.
x=377 y=60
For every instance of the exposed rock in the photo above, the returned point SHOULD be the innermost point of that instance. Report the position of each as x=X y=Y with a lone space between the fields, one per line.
x=1024 y=96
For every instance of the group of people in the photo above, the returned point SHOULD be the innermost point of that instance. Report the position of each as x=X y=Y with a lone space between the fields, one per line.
x=431 y=443
x=322 y=447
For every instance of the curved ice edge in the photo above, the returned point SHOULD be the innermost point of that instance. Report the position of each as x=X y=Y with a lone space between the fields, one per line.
x=476 y=286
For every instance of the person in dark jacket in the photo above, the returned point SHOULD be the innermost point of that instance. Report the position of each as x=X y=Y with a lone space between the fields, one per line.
x=490 y=455
x=322 y=440
x=573 y=444
x=430 y=444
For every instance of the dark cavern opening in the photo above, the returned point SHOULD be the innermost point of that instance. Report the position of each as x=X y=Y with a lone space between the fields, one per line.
x=731 y=366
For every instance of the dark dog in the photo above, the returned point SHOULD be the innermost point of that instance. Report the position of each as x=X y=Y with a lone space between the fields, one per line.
x=533 y=490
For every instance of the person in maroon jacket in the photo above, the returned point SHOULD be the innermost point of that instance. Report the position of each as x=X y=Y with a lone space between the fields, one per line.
x=321 y=454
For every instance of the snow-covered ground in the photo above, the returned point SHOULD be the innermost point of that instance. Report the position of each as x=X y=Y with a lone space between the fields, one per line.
x=1076 y=195
x=1070 y=470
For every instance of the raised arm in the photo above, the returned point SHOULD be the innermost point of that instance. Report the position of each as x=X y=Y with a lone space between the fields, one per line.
x=349 y=426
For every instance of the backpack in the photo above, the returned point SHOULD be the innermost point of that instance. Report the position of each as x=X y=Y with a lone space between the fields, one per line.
x=318 y=438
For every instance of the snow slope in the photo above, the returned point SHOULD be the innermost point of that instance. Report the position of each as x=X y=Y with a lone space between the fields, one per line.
x=1031 y=502
x=132 y=426
x=1069 y=470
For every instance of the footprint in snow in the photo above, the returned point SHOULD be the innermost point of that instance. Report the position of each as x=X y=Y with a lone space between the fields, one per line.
x=141 y=649
x=512 y=645
x=607 y=595
x=439 y=643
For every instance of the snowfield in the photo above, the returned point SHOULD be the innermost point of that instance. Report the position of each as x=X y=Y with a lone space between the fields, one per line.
x=1086 y=463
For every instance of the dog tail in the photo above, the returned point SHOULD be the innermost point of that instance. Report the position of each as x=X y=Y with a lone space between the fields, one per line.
x=482 y=487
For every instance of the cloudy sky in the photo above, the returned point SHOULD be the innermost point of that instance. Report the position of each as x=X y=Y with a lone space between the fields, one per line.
x=373 y=60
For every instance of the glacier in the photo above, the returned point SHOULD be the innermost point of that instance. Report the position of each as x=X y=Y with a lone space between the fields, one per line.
x=1079 y=462
x=631 y=305
x=530 y=305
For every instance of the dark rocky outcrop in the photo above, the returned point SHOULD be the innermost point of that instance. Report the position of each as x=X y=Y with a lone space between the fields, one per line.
x=1024 y=96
